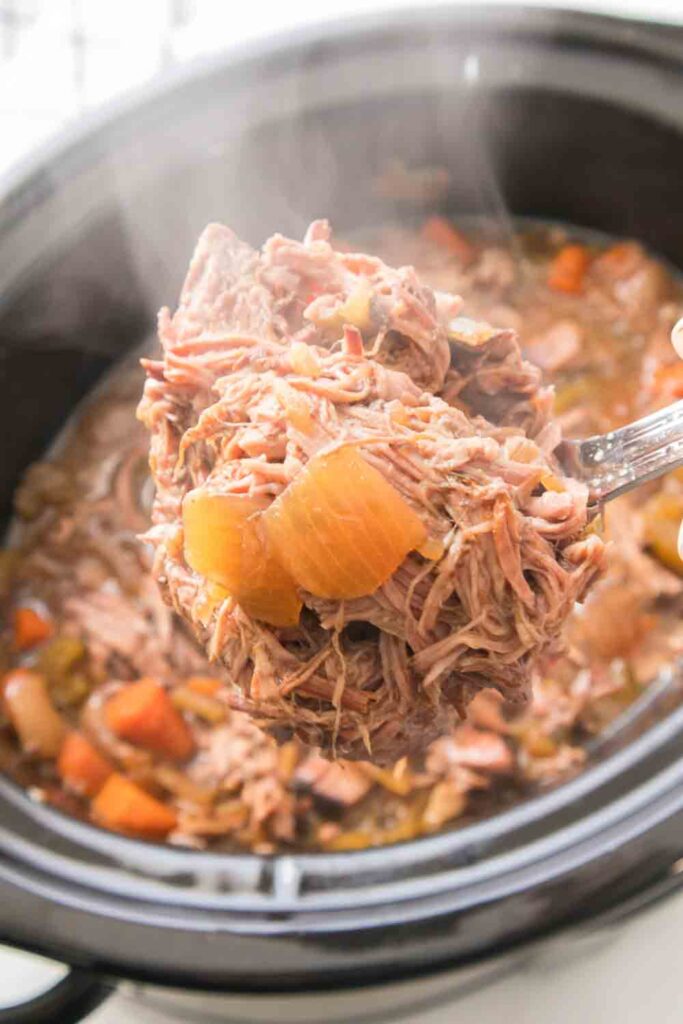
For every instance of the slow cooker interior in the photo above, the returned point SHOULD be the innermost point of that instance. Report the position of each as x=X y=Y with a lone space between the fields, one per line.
x=92 y=294
x=97 y=238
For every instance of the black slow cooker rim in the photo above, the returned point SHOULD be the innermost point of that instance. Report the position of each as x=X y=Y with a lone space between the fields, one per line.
x=21 y=186
x=448 y=844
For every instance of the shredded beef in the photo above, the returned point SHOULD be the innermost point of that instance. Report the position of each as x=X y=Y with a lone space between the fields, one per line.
x=74 y=558
x=470 y=451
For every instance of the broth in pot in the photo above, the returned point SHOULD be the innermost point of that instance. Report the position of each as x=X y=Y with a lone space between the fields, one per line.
x=85 y=623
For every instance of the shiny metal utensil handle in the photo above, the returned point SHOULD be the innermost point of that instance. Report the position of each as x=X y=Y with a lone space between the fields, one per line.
x=613 y=463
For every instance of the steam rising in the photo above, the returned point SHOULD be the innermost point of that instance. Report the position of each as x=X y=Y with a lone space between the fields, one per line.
x=311 y=143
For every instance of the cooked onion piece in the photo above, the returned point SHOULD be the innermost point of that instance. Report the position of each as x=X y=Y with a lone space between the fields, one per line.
x=340 y=528
x=342 y=445
x=224 y=542
x=39 y=725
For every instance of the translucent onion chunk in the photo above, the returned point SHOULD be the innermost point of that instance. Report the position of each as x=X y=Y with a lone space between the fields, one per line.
x=340 y=528
x=224 y=543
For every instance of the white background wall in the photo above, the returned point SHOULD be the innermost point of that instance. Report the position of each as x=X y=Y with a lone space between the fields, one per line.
x=58 y=57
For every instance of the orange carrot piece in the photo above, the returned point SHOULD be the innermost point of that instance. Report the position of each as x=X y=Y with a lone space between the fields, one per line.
x=340 y=528
x=143 y=713
x=124 y=807
x=360 y=264
x=568 y=268
x=206 y=685
x=619 y=261
x=30 y=628
x=81 y=767
x=440 y=231
x=668 y=381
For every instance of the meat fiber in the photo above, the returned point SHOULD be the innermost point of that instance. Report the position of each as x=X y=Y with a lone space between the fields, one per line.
x=450 y=415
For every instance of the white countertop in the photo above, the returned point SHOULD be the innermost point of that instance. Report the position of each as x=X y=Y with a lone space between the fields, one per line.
x=87 y=53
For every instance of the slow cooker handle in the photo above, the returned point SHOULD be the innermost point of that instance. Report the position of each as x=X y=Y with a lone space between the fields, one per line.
x=67 y=1002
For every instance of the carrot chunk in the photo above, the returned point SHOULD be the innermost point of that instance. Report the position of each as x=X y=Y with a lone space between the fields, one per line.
x=568 y=268
x=668 y=382
x=340 y=528
x=206 y=685
x=223 y=542
x=124 y=807
x=619 y=261
x=144 y=714
x=30 y=628
x=441 y=232
x=80 y=765
x=38 y=724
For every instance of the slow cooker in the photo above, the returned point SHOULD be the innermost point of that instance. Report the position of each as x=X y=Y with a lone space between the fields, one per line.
x=489 y=111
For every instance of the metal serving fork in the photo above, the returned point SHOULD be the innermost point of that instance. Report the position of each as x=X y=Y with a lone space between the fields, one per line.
x=611 y=464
